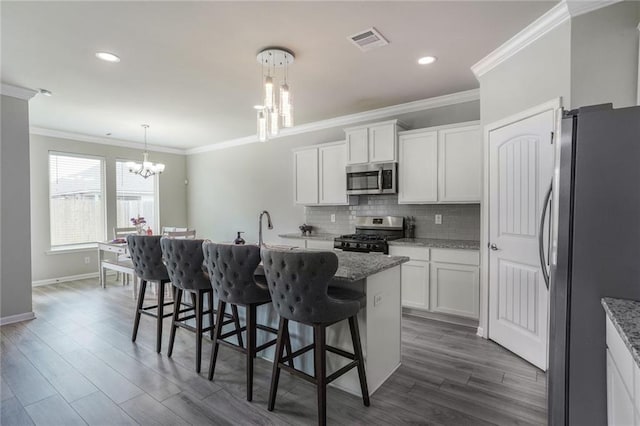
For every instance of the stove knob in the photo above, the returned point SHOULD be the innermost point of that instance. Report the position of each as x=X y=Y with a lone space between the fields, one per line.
x=369 y=246
x=357 y=245
x=344 y=244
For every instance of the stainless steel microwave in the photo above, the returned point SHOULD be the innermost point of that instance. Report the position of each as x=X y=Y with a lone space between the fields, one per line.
x=372 y=179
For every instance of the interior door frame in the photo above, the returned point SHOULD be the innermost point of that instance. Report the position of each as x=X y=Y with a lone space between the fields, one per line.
x=554 y=105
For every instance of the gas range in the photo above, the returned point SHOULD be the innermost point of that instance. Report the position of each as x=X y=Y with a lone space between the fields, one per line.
x=372 y=234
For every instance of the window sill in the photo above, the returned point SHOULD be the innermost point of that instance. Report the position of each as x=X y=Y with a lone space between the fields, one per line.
x=76 y=248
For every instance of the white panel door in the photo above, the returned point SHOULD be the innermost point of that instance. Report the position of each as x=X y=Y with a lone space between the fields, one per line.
x=460 y=161
x=382 y=143
x=357 y=146
x=520 y=170
x=333 y=179
x=305 y=179
x=418 y=168
x=455 y=289
x=415 y=284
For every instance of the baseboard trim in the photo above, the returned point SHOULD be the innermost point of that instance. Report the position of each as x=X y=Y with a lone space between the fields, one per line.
x=11 y=319
x=467 y=322
x=67 y=279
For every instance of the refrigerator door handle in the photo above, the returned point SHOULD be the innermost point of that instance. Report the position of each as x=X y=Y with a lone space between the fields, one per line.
x=543 y=263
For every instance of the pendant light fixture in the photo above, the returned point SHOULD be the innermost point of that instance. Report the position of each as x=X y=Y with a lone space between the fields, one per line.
x=274 y=114
x=147 y=168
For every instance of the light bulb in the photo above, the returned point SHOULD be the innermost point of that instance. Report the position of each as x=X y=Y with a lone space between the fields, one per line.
x=287 y=117
x=262 y=126
x=268 y=92
x=274 y=124
x=284 y=98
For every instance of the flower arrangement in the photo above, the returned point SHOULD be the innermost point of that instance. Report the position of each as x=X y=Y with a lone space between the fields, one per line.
x=138 y=221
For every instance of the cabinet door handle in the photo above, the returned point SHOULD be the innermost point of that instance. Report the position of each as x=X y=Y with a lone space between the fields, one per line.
x=494 y=247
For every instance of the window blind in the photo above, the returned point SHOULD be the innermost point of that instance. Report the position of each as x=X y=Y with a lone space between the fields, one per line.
x=76 y=199
x=135 y=196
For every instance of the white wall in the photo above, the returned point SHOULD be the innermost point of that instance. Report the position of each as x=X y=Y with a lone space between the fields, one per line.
x=172 y=199
x=15 y=229
x=229 y=188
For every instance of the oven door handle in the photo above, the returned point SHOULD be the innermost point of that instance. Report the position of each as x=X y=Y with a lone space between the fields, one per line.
x=380 y=179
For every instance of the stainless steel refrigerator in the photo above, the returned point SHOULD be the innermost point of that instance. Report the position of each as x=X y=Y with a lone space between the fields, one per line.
x=595 y=252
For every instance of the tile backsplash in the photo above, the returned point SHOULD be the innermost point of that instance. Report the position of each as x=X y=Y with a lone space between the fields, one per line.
x=459 y=221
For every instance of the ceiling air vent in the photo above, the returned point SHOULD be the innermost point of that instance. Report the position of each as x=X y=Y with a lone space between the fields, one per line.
x=368 y=39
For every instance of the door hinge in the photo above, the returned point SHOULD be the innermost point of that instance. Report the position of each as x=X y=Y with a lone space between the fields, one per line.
x=552 y=137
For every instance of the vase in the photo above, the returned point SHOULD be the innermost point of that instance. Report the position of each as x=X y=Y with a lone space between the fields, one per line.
x=140 y=230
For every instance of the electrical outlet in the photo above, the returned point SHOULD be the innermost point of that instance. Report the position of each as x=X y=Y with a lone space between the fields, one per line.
x=377 y=299
x=87 y=260
x=333 y=218
x=438 y=219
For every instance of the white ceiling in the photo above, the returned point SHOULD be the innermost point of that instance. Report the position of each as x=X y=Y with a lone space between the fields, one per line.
x=189 y=70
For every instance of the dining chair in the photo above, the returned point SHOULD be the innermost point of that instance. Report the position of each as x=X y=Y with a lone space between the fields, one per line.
x=122 y=233
x=299 y=286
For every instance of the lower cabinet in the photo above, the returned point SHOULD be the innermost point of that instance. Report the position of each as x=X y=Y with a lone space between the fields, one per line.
x=415 y=284
x=455 y=289
x=308 y=243
x=445 y=281
x=620 y=409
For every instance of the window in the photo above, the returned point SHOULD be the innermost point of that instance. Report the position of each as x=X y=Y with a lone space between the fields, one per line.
x=135 y=196
x=76 y=199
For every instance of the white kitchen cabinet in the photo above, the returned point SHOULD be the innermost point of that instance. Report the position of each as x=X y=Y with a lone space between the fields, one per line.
x=455 y=289
x=320 y=244
x=332 y=160
x=418 y=167
x=372 y=143
x=319 y=176
x=620 y=410
x=357 y=145
x=415 y=284
x=440 y=165
x=459 y=164
x=305 y=181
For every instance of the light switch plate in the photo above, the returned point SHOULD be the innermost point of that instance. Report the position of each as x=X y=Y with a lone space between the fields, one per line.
x=333 y=218
x=377 y=299
x=438 y=219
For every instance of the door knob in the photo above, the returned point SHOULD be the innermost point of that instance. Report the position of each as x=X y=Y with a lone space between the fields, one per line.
x=494 y=247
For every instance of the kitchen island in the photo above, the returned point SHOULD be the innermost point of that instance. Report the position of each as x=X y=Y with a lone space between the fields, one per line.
x=378 y=277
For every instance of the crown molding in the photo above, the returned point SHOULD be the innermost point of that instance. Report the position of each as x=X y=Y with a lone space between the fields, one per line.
x=17 y=92
x=103 y=141
x=347 y=120
x=553 y=18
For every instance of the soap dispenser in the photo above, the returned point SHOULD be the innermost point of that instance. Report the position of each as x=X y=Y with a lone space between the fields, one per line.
x=239 y=240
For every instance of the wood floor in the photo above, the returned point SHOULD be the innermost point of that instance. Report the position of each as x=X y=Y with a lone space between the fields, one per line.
x=76 y=364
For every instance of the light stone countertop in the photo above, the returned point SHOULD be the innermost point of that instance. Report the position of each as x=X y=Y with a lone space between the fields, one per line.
x=299 y=236
x=353 y=266
x=437 y=243
x=625 y=316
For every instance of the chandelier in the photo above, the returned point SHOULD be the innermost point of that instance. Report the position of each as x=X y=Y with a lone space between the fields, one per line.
x=147 y=168
x=274 y=113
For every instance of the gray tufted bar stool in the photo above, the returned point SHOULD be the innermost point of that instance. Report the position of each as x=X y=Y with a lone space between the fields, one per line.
x=146 y=256
x=183 y=259
x=232 y=272
x=298 y=283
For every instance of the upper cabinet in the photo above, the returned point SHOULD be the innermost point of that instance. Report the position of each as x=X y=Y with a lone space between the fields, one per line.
x=373 y=143
x=440 y=165
x=459 y=164
x=319 y=175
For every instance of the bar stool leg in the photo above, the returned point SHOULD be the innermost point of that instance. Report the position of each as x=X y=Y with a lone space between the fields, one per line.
x=236 y=320
x=357 y=350
x=211 y=314
x=275 y=375
x=251 y=347
x=287 y=342
x=136 y=321
x=176 y=310
x=216 y=334
x=320 y=363
x=199 y=303
x=160 y=312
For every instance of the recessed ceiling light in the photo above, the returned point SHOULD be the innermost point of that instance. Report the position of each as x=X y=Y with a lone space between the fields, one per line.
x=258 y=107
x=425 y=60
x=108 y=134
x=106 y=56
x=45 y=92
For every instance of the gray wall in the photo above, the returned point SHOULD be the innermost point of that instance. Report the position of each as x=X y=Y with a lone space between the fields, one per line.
x=15 y=229
x=172 y=199
x=537 y=74
x=228 y=188
x=604 y=56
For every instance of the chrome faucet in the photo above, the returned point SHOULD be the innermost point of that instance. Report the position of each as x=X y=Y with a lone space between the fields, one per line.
x=269 y=225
